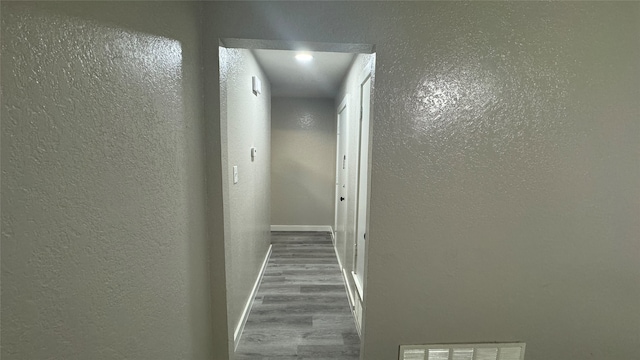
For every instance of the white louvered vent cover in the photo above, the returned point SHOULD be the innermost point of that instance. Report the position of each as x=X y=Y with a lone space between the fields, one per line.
x=492 y=351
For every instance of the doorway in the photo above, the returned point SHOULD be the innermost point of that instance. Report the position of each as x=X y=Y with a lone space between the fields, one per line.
x=246 y=141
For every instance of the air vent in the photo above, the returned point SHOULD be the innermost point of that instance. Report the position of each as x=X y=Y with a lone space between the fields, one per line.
x=491 y=351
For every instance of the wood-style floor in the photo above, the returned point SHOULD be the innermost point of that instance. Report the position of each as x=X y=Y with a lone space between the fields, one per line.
x=301 y=310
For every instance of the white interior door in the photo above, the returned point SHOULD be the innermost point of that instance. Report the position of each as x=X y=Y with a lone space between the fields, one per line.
x=363 y=182
x=341 y=173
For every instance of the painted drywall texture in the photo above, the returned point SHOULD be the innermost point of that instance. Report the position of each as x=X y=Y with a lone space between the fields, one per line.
x=246 y=124
x=505 y=168
x=104 y=231
x=303 y=165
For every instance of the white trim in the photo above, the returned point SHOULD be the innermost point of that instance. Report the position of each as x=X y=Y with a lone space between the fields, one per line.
x=247 y=308
x=352 y=301
x=361 y=215
x=358 y=285
x=344 y=106
x=357 y=314
x=346 y=281
x=302 y=228
x=337 y=257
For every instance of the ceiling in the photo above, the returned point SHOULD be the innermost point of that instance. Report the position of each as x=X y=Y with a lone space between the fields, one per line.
x=320 y=77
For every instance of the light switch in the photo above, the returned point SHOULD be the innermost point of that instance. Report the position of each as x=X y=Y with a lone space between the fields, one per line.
x=256 y=85
x=235 y=174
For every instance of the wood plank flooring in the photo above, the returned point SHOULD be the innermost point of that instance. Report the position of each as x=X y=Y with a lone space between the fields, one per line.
x=301 y=310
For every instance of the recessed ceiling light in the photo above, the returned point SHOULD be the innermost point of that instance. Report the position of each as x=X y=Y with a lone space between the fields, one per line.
x=304 y=57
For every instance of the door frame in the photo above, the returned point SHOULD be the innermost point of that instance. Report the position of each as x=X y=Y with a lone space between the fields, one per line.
x=221 y=268
x=344 y=106
x=365 y=75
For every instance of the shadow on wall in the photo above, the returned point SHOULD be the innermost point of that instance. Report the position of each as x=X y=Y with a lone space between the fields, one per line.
x=302 y=196
x=303 y=181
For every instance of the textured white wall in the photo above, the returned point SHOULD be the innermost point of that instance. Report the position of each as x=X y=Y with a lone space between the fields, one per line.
x=303 y=150
x=504 y=201
x=104 y=234
x=246 y=123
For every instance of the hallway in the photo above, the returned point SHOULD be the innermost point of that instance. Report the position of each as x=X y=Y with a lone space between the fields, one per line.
x=301 y=310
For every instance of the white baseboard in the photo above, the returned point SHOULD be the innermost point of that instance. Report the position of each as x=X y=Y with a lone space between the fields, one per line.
x=302 y=228
x=352 y=301
x=358 y=285
x=337 y=256
x=350 y=295
x=247 y=308
x=345 y=279
x=357 y=314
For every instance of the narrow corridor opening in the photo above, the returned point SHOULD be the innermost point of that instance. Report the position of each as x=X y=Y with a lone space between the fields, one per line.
x=295 y=125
